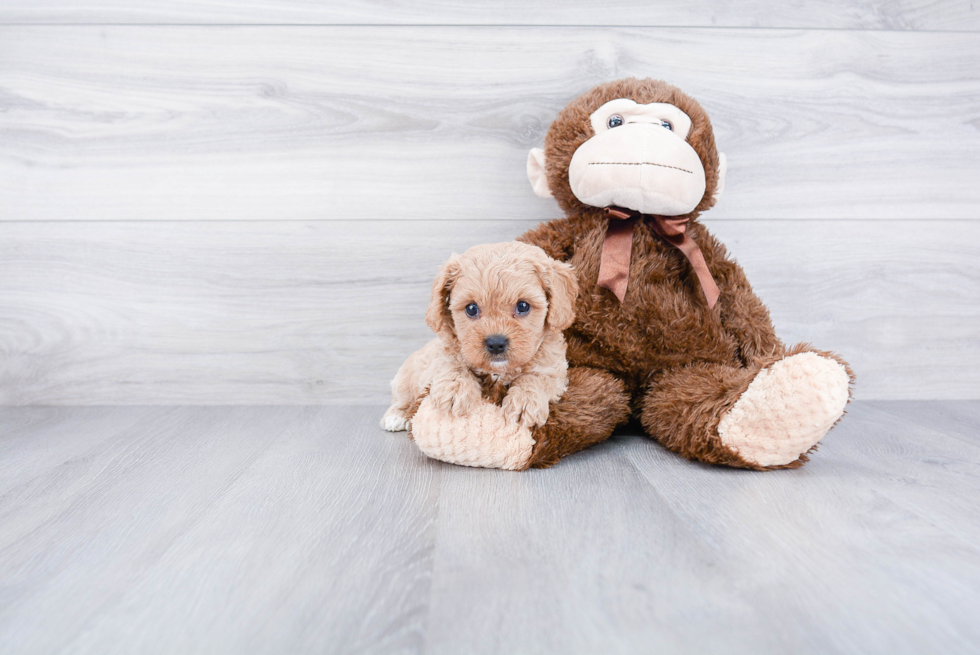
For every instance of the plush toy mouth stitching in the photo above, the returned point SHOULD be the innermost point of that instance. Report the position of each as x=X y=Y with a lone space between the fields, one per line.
x=638 y=163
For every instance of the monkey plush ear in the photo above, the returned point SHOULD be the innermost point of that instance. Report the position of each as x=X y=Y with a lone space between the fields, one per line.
x=536 y=172
x=561 y=286
x=438 y=316
x=722 y=169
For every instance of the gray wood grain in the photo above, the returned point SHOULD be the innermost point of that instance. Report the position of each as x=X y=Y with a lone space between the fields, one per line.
x=301 y=530
x=839 y=14
x=134 y=498
x=65 y=433
x=266 y=123
x=860 y=549
x=325 y=312
x=819 y=560
x=927 y=470
x=958 y=419
x=311 y=531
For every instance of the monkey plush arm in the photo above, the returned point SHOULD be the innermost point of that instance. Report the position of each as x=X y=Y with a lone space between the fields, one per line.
x=746 y=317
x=556 y=238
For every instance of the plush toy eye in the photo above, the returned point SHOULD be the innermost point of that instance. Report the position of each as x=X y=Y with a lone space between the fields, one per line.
x=472 y=310
x=614 y=121
x=667 y=125
x=523 y=308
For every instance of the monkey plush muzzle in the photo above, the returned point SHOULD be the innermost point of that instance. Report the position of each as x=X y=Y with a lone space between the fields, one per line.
x=642 y=166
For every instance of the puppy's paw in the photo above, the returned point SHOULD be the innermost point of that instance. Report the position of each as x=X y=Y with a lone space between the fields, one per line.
x=525 y=407
x=456 y=397
x=394 y=421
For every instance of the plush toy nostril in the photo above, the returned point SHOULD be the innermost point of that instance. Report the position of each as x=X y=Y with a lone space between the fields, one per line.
x=496 y=344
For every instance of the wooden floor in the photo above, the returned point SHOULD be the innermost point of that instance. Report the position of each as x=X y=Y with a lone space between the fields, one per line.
x=308 y=529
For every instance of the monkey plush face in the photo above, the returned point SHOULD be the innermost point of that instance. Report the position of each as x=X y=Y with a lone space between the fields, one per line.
x=639 y=144
x=638 y=159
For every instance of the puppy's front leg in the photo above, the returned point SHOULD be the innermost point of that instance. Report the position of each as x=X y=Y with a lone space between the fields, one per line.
x=453 y=388
x=527 y=399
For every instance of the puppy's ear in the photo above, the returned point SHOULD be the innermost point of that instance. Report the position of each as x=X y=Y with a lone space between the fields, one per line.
x=437 y=316
x=561 y=285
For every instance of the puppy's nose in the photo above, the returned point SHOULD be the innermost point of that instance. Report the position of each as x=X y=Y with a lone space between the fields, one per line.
x=496 y=344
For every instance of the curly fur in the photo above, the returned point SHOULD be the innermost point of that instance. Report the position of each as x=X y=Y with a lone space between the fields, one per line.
x=456 y=370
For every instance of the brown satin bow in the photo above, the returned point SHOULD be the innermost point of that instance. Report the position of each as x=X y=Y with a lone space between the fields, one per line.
x=614 y=267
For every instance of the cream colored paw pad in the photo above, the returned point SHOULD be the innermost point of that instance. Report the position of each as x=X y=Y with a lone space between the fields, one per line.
x=787 y=409
x=482 y=438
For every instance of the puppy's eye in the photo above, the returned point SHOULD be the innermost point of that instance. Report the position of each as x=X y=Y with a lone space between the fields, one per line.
x=614 y=121
x=472 y=310
x=523 y=308
x=667 y=125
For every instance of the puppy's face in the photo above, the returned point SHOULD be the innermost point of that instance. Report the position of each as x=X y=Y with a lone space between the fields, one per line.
x=499 y=314
x=497 y=301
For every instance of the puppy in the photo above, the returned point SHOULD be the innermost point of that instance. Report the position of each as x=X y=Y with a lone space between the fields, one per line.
x=499 y=311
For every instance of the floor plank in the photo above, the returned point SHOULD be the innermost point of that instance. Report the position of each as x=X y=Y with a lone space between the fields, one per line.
x=831 y=545
x=959 y=419
x=783 y=561
x=299 y=313
x=66 y=432
x=98 y=521
x=323 y=544
x=838 y=14
x=272 y=530
x=923 y=469
x=314 y=123
x=584 y=558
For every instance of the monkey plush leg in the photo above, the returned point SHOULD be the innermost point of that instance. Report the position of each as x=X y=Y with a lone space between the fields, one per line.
x=762 y=417
x=483 y=437
x=588 y=412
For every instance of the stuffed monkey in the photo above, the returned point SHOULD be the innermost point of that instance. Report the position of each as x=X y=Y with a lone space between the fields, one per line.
x=667 y=327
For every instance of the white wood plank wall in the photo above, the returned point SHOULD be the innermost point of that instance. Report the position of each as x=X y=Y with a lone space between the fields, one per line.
x=245 y=202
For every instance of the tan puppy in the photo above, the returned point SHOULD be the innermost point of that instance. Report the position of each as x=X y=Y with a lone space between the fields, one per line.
x=499 y=311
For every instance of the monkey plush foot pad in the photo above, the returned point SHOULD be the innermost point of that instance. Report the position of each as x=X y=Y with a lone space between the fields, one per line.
x=482 y=438
x=786 y=409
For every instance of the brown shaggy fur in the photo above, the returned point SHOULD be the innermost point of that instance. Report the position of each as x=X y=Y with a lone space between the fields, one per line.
x=594 y=404
x=681 y=365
